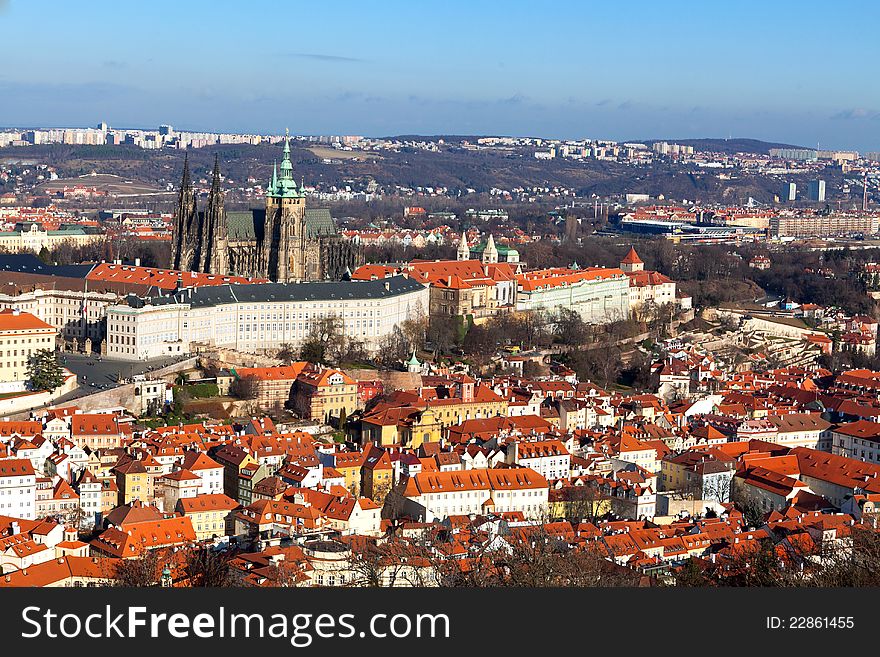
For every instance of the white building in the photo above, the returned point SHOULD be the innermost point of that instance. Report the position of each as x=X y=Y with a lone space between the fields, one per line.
x=260 y=317
x=802 y=430
x=74 y=313
x=18 y=488
x=209 y=471
x=646 y=288
x=549 y=458
x=433 y=496
x=600 y=295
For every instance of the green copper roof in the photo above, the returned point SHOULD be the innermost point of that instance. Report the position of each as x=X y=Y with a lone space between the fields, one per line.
x=501 y=248
x=244 y=226
x=285 y=186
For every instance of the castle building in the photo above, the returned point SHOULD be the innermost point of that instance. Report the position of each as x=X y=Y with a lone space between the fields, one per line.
x=285 y=241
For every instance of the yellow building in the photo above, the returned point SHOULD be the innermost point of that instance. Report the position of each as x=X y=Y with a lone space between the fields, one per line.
x=134 y=483
x=210 y=514
x=323 y=394
x=405 y=426
x=377 y=474
x=349 y=465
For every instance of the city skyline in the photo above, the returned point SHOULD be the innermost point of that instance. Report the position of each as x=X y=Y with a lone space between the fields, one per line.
x=677 y=72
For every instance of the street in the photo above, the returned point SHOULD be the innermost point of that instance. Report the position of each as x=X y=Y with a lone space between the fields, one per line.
x=94 y=375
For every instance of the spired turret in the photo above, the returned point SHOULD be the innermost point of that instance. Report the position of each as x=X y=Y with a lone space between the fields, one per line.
x=184 y=239
x=215 y=241
x=464 y=252
x=490 y=253
x=284 y=185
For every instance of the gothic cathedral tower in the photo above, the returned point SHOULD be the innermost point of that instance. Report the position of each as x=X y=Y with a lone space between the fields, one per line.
x=285 y=243
x=186 y=223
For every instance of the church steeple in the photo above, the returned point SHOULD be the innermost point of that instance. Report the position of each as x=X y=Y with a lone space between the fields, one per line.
x=490 y=253
x=185 y=183
x=286 y=165
x=464 y=252
x=284 y=186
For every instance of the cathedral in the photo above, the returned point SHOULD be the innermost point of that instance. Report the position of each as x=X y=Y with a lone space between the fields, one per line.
x=284 y=242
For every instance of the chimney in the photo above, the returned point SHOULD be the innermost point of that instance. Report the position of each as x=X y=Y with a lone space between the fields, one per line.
x=14 y=528
x=137 y=262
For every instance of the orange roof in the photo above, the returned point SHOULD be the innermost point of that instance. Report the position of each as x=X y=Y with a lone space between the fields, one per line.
x=208 y=502
x=632 y=258
x=281 y=373
x=59 y=570
x=648 y=279
x=560 y=276
x=459 y=480
x=145 y=535
x=167 y=279
x=15 y=320
x=374 y=272
x=95 y=424
x=439 y=272
x=321 y=377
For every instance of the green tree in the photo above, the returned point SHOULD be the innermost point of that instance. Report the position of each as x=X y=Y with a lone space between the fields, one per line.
x=44 y=370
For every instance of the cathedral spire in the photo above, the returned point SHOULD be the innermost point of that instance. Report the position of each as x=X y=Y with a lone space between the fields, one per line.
x=185 y=182
x=286 y=165
x=183 y=233
x=215 y=182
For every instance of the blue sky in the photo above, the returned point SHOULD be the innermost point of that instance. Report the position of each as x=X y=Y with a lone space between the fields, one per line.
x=797 y=72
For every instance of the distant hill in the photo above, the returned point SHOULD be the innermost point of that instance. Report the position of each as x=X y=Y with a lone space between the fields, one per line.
x=735 y=145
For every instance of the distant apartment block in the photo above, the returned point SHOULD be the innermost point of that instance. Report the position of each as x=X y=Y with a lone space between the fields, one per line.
x=817 y=190
x=816 y=225
x=797 y=154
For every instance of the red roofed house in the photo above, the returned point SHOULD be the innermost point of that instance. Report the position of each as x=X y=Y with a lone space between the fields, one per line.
x=274 y=384
x=98 y=430
x=547 y=457
x=139 y=537
x=321 y=394
x=646 y=287
x=18 y=488
x=432 y=496
x=211 y=515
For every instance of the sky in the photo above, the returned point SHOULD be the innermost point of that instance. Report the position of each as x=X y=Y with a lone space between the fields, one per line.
x=793 y=72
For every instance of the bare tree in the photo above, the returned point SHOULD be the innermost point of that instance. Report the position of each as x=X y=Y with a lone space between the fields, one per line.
x=141 y=571
x=245 y=387
x=207 y=568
